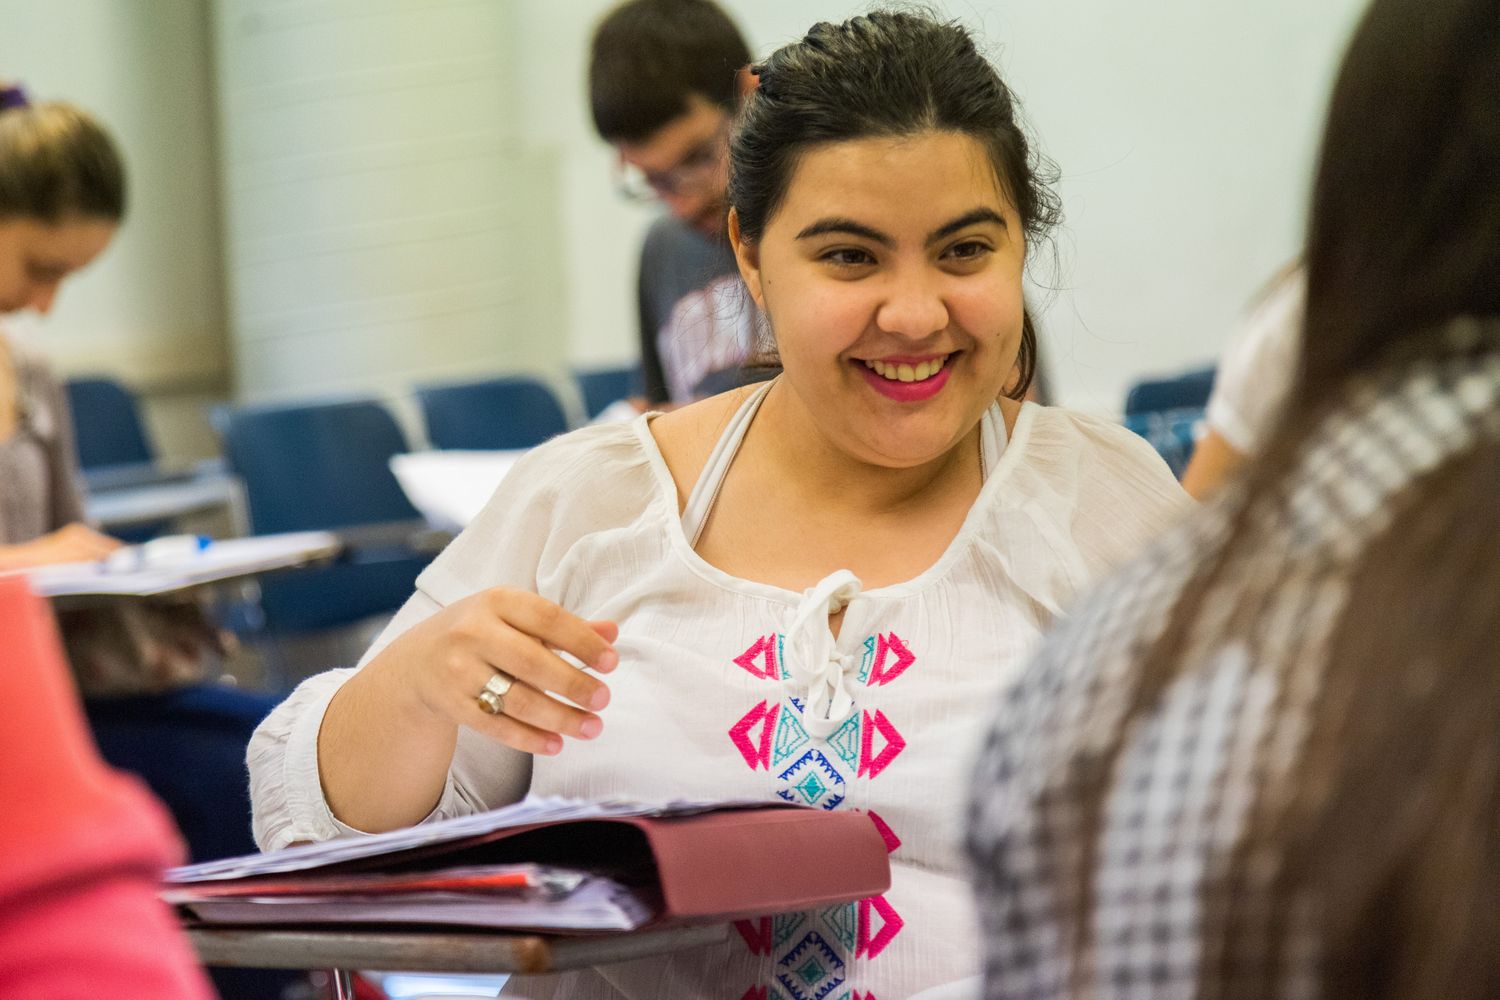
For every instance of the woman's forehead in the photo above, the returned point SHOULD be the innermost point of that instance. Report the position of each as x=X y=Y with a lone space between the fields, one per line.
x=917 y=178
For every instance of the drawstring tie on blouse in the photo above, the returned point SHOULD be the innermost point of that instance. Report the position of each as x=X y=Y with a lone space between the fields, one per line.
x=814 y=664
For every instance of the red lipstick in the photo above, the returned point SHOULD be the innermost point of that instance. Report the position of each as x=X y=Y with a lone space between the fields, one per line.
x=906 y=392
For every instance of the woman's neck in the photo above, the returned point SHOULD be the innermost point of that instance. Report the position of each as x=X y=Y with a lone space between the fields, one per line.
x=10 y=390
x=818 y=472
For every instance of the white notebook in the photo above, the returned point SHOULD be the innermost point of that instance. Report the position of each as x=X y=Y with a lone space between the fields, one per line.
x=144 y=571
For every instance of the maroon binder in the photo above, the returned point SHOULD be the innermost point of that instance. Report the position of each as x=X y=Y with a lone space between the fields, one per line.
x=700 y=866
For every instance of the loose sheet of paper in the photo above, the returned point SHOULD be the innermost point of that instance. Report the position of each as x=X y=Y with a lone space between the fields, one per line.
x=221 y=560
x=542 y=809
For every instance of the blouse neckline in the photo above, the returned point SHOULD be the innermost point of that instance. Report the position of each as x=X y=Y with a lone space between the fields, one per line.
x=665 y=500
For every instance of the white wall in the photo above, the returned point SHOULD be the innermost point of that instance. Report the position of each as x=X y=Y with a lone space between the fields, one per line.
x=1184 y=131
x=150 y=309
x=386 y=223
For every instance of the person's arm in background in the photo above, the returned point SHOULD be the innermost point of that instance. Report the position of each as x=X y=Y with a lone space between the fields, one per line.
x=1254 y=377
x=653 y=377
x=70 y=539
x=70 y=543
x=1214 y=461
x=82 y=848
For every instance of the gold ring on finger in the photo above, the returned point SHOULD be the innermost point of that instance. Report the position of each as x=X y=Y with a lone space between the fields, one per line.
x=491 y=697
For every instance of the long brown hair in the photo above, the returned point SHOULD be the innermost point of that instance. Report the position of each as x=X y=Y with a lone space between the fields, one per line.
x=1380 y=833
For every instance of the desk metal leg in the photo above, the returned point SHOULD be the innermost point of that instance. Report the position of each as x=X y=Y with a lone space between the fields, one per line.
x=343 y=984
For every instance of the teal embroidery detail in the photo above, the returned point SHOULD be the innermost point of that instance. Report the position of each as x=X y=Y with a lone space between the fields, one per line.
x=867 y=660
x=812 y=971
x=843 y=920
x=790 y=737
x=787 y=924
x=845 y=741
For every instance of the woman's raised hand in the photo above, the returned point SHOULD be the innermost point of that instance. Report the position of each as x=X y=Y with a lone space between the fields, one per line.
x=443 y=664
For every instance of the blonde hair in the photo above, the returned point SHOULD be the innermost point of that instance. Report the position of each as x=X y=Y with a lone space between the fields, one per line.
x=57 y=163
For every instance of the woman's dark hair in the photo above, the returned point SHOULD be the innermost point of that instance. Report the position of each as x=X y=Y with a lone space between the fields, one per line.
x=1388 y=825
x=649 y=57
x=1404 y=231
x=58 y=163
x=885 y=74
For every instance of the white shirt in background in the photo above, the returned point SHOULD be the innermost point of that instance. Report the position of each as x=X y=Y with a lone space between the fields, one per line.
x=1257 y=371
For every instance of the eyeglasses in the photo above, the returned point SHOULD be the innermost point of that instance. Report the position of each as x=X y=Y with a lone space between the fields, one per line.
x=697 y=169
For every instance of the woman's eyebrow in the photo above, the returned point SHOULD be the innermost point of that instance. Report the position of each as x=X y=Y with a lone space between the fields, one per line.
x=843 y=224
x=966 y=220
x=840 y=224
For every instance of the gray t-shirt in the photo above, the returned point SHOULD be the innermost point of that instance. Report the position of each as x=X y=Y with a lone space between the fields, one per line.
x=38 y=489
x=695 y=316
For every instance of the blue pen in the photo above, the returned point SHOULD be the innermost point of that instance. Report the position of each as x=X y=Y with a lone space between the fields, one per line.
x=157 y=552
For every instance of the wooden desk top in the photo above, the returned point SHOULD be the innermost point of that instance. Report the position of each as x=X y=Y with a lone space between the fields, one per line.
x=437 y=950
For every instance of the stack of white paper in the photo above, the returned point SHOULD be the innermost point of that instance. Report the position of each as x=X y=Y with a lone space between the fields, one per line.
x=451 y=487
x=539 y=809
x=152 y=574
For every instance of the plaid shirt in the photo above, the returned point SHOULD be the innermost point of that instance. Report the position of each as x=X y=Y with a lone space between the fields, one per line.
x=1223 y=739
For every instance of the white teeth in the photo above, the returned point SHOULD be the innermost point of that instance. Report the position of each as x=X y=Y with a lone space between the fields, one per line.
x=908 y=373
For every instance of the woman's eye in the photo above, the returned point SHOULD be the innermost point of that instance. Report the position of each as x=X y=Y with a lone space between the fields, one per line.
x=848 y=257
x=968 y=250
x=44 y=274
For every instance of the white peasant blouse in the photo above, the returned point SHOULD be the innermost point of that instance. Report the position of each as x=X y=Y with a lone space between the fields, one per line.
x=729 y=688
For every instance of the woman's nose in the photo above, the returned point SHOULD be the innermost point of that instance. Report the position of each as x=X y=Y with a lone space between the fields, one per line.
x=42 y=297
x=913 y=307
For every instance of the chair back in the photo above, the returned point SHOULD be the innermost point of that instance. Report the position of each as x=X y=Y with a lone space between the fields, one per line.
x=309 y=466
x=600 y=387
x=493 y=414
x=1173 y=433
x=1187 y=391
x=323 y=465
x=107 y=423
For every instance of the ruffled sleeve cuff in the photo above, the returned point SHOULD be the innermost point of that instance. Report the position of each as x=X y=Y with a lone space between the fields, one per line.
x=285 y=788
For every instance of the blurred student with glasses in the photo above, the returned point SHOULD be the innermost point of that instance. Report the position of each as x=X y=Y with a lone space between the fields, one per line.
x=665 y=80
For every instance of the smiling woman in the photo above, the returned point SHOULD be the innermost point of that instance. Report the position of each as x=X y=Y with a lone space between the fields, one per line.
x=891 y=275
x=803 y=591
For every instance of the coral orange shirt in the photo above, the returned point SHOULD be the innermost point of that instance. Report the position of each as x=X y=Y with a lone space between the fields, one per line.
x=82 y=847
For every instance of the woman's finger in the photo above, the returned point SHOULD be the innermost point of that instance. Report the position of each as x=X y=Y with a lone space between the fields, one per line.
x=544 y=620
x=608 y=631
x=528 y=659
x=526 y=704
x=515 y=733
x=522 y=702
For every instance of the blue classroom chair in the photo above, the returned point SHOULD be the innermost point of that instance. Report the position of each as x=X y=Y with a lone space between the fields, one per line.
x=1173 y=433
x=1168 y=412
x=603 y=386
x=1187 y=391
x=111 y=438
x=188 y=745
x=107 y=424
x=322 y=466
x=491 y=414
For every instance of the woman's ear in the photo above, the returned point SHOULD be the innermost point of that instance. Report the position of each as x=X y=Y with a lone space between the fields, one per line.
x=747 y=81
x=747 y=255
